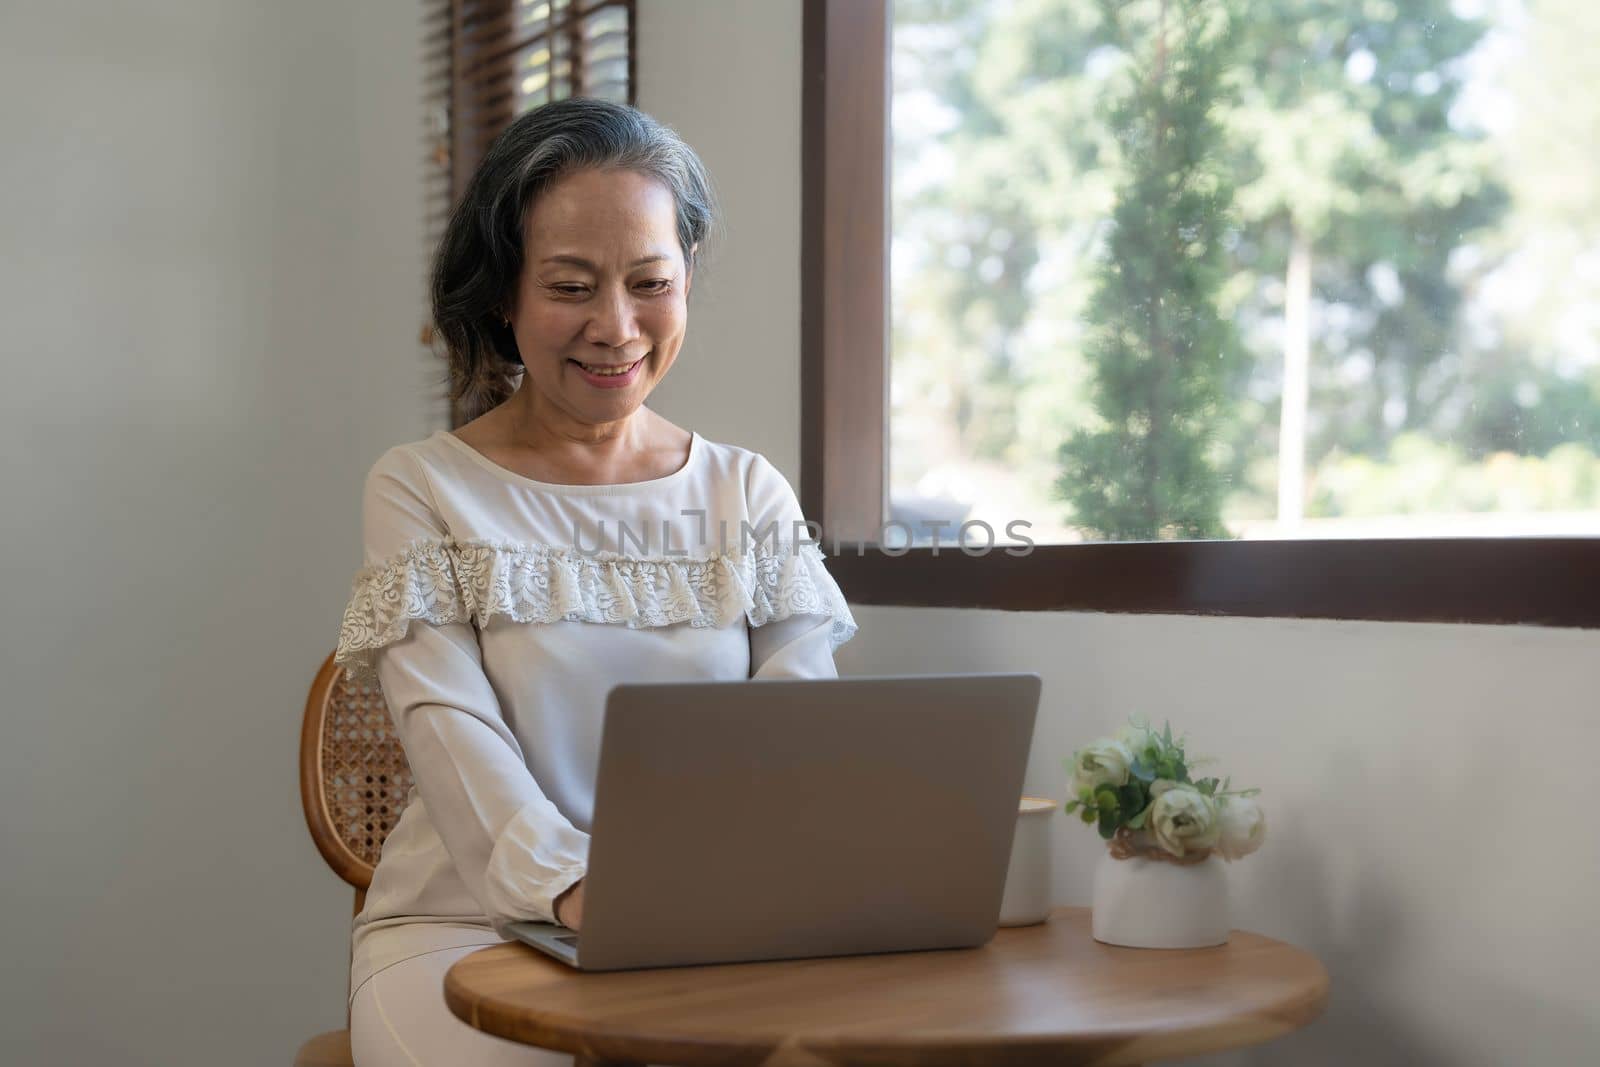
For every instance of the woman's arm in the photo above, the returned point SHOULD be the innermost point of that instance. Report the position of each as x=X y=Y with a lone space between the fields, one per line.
x=796 y=647
x=513 y=848
x=569 y=906
x=808 y=614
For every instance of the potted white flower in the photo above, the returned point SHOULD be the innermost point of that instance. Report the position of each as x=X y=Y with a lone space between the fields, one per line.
x=1160 y=883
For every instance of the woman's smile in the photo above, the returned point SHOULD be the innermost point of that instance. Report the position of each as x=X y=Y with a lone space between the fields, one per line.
x=609 y=375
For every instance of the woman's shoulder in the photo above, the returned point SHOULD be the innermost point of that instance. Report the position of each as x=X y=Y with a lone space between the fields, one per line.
x=767 y=495
x=728 y=458
x=442 y=457
x=404 y=457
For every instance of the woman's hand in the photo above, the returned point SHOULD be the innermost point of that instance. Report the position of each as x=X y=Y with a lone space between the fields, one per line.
x=569 y=905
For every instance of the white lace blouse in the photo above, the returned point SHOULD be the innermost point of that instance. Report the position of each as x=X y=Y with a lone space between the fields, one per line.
x=497 y=611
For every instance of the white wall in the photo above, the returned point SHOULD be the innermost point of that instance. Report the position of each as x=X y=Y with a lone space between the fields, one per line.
x=209 y=280
x=726 y=75
x=1426 y=785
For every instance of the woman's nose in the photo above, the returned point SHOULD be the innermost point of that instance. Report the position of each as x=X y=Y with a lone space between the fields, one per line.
x=613 y=323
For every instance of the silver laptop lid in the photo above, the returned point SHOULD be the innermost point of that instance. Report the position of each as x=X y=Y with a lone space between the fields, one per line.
x=779 y=819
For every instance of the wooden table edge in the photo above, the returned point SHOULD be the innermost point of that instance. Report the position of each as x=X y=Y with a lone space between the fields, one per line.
x=619 y=1045
x=611 y=1047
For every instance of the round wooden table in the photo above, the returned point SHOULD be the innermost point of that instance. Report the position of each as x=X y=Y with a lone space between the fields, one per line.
x=1033 y=995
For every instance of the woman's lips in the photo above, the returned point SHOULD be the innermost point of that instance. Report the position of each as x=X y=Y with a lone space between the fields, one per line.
x=610 y=381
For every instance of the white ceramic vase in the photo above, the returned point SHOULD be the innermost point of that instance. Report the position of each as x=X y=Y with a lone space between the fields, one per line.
x=1151 y=903
x=1027 y=893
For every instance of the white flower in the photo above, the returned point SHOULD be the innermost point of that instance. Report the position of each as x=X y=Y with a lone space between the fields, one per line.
x=1243 y=827
x=1134 y=737
x=1102 y=763
x=1182 y=817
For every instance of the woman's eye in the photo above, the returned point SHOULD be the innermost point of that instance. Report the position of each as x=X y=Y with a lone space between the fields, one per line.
x=656 y=285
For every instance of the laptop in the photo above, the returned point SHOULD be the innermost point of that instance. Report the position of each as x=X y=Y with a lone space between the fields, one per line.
x=782 y=819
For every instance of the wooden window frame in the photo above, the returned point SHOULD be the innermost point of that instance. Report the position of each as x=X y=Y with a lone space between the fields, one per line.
x=1552 y=581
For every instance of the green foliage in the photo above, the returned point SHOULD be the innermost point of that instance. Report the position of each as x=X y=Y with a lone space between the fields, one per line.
x=1159 y=345
x=1335 y=140
x=1156 y=756
x=1025 y=323
x=1418 y=475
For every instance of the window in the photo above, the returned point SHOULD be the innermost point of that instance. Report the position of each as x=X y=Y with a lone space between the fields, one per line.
x=487 y=61
x=1224 y=312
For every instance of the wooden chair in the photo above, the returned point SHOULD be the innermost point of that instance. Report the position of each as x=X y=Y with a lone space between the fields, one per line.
x=354 y=782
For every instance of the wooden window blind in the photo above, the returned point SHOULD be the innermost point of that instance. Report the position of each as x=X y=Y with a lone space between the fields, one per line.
x=487 y=61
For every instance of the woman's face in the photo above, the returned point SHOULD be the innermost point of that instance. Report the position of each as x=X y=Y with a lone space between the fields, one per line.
x=603 y=289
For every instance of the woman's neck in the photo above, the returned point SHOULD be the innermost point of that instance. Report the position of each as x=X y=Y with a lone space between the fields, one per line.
x=531 y=438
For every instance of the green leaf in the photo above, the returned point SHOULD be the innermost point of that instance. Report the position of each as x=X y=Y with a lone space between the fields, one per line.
x=1087 y=815
x=1072 y=806
x=1130 y=798
x=1138 y=821
x=1208 y=786
x=1108 y=824
x=1106 y=798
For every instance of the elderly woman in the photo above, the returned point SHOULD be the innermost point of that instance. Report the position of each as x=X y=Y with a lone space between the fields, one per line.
x=565 y=540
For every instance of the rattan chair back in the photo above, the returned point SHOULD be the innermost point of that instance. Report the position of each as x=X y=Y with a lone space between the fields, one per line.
x=354 y=778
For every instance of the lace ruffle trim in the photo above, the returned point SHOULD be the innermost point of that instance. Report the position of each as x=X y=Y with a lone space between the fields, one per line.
x=445 y=580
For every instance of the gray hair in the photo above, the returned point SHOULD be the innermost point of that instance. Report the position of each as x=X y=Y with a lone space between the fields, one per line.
x=479 y=259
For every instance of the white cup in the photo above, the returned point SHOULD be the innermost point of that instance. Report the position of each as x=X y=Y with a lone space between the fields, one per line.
x=1027 y=896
